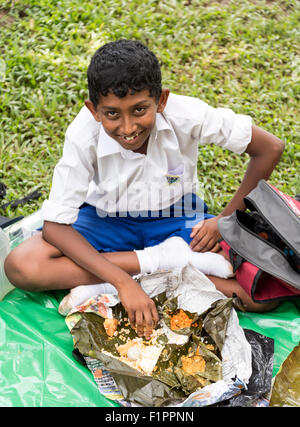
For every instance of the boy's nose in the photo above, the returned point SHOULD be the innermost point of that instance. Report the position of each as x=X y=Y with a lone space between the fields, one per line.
x=128 y=127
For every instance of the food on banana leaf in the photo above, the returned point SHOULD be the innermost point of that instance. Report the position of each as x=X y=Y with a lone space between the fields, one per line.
x=140 y=354
x=123 y=349
x=185 y=364
x=180 y=320
x=192 y=364
x=110 y=326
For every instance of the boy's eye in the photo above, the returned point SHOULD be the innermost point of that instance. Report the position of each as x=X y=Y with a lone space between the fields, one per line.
x=140 y=110
x=115 y=114
x=112 y=114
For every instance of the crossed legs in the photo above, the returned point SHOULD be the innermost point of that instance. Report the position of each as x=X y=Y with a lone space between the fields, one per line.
x=35 y=265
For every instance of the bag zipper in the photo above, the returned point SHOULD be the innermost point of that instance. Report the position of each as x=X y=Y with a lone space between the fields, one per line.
x=282 y=201
x=282 y=238
x=256 y=264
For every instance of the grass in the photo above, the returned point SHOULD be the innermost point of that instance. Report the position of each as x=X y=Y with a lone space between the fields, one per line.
x=238 y=54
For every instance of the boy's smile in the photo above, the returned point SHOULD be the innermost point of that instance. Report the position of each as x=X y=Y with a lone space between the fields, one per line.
x=129 y=120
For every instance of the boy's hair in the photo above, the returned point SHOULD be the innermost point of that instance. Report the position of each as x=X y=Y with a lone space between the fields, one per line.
x=122 y=66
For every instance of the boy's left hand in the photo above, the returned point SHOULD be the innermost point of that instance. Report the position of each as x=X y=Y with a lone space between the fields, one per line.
x=205 y=236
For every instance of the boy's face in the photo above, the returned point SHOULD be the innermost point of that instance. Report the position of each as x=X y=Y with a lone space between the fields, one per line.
x=129 y=120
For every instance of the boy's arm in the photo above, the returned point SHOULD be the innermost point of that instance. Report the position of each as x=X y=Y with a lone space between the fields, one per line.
x=265 y=151
x=140 y=308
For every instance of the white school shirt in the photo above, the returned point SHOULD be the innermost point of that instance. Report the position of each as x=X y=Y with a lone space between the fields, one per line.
x=95 y=169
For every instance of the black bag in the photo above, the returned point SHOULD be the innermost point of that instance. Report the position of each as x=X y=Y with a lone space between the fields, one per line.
x=263 y=243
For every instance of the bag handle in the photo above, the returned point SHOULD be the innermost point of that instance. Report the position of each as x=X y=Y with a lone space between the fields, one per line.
x=2 y=190
x=5 y=221
x=14 y=203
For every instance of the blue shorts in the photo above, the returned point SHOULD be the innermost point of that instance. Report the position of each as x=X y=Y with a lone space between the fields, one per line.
x=126 y=233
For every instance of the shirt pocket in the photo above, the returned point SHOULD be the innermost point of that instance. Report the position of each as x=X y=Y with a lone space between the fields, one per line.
x=175 y=175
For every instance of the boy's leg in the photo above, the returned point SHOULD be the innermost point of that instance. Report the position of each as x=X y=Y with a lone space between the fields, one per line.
x=231 y=286
x=205 y=262
x=36 y=265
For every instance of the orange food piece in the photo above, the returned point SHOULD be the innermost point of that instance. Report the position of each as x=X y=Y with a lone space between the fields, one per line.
x=110 y=326
x=180 y=320
x=192 y=365
x=123 y=349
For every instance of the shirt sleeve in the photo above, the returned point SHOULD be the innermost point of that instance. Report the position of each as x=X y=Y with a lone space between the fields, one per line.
x=225 y=128
x=70 y=183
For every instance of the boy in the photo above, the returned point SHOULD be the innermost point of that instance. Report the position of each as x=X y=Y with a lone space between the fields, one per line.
x=122 y=181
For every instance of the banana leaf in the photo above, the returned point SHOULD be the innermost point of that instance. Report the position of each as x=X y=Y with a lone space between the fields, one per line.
x=170 y=370
x=170 y=308
x=168 y=382
x=215 y=320
x=142 y=389
x=90 y=337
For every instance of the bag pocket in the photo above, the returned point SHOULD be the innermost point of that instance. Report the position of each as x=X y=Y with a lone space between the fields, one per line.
x=259 y=285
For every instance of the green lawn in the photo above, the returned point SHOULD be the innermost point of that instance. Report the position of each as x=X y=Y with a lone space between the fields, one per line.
x=238 y=54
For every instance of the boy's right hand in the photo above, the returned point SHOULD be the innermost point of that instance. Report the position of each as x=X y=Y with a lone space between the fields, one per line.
x=141 y=309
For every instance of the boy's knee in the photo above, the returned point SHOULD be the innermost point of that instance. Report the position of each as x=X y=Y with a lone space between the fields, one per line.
x=20 y=270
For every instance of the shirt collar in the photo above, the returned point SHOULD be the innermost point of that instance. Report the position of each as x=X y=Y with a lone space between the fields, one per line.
x=108 y=145
x=162 y=123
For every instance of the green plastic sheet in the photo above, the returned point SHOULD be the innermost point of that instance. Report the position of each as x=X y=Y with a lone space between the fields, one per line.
x=37 y=368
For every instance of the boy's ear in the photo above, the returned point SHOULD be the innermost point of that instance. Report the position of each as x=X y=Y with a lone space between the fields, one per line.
x=163 y=100
x=91 y=107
